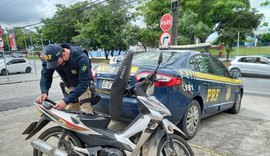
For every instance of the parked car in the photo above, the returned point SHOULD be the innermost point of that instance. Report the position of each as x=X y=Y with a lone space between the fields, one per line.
x=14 y=65
x=251 y=65
x=193 y=85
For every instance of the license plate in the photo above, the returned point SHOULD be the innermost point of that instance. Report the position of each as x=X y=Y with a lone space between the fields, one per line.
x=106 y=84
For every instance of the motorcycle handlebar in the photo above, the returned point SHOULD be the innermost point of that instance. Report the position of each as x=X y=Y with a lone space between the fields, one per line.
x=50 y=101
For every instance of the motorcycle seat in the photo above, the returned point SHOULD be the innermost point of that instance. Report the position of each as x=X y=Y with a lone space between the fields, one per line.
x=97 y=120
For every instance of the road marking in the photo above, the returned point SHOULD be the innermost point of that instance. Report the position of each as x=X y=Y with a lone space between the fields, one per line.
x=211 y=151
x=253 y=92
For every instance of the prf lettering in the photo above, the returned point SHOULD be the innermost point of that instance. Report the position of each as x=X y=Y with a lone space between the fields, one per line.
x=212 y=95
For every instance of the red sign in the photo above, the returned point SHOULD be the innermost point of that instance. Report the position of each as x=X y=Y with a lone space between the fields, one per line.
x=1 y=31
x=166 y=22
x=12 y=42
x=1 y=44
x=165 y=39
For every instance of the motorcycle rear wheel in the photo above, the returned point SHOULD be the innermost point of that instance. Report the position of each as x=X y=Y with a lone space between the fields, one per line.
x=181 y=146
x=52 y=136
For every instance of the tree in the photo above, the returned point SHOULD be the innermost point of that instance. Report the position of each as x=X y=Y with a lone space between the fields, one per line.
x=266 y=37
x=61 y=27
x=106 y=27
x=152 y=11
x=267 y=2
x=191 y=27
x=241 y=21
x=149 y=38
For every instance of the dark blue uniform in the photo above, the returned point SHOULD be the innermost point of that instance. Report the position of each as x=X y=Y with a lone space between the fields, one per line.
x=76 y=72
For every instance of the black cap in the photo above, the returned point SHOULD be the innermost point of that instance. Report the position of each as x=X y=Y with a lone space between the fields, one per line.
x=52 y=53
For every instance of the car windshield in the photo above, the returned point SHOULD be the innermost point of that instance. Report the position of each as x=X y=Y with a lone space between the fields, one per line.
x=151 y=58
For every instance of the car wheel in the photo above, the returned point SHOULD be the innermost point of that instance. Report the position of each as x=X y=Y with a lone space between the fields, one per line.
x=237 y=71
x=237 y=105
x=191 y=119
x=3 y=72
x=28 y=70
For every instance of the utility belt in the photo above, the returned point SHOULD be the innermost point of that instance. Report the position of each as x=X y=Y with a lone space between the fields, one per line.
x=94 y=96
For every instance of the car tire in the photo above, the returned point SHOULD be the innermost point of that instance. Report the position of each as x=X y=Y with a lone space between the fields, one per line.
x=237 y=105
x=4 y=72
x=236 y=70
x=191 y=119
x=28 y=70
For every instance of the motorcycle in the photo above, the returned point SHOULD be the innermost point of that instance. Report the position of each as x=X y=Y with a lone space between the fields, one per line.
x=149 y=134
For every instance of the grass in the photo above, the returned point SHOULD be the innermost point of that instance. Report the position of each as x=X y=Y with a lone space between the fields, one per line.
x=93 y=60
x=243 y=51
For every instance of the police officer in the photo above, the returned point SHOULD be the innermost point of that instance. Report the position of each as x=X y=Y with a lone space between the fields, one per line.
x=74 y=68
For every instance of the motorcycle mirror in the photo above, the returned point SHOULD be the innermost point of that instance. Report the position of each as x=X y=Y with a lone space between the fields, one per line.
x=160 y=58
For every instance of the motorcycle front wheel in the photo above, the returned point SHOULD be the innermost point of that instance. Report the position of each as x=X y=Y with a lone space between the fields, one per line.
x=52 y=136
x=181 y=146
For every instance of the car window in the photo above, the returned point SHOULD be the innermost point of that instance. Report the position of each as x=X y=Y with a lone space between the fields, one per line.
x=220 y=69
x=264 y=61
x=12 y=62
x=243 y=59
x=201 y=63
x=151 y=58
x=21 y=61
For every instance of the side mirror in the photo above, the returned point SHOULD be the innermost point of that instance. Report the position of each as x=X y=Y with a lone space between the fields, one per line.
x=235 y=74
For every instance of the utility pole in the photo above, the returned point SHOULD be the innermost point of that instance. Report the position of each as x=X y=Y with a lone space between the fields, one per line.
x=175 y=13
x=238 y=36
x=24 y=40
x=33 y=52
x=41 y=41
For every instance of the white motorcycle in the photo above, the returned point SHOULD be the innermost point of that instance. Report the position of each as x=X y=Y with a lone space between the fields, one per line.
x=149 y=134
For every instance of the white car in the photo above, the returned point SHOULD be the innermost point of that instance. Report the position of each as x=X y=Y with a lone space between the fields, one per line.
x=14 y=65
x=250 y=65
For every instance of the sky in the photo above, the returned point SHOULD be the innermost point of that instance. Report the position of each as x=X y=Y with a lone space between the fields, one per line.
x=20 y=13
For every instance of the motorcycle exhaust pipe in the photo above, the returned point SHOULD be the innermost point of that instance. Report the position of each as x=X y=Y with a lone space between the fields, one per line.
x=48 y=149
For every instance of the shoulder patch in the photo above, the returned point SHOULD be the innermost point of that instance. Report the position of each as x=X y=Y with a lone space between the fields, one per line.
x=84 y=68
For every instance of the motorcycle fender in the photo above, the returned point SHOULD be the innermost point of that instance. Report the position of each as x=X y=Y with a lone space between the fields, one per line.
x=150 y=146
x=166 y=124
x=35 y=127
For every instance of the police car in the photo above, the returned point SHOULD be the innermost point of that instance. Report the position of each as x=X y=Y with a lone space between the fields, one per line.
x=192 y=84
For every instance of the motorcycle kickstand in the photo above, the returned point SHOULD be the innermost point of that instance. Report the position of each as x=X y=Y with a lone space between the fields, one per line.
x=62 y=137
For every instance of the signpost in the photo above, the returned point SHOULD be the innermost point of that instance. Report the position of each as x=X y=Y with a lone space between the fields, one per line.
x=2 y=50
x=1 y=44
x=165 y=39
x=1 y=31
x=166 y=23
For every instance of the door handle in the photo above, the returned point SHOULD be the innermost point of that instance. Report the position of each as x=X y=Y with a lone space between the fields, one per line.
x=206 y=84
x=223 y=84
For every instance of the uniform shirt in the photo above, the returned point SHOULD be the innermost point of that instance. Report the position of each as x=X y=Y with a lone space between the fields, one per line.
x=76 y=72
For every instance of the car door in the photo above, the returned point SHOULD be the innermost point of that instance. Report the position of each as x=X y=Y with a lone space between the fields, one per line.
x=12 y=66
x=228 y=87
x=263 y=66
x=21 y=65
x=209 y=84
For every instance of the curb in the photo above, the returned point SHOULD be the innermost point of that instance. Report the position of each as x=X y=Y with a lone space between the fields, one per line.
x=21 y=81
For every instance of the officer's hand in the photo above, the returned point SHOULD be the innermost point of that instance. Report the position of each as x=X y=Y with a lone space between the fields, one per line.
x=41 y=98
x=60 y=105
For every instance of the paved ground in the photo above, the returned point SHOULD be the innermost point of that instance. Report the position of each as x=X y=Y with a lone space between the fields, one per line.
x=245 y=134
